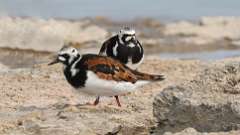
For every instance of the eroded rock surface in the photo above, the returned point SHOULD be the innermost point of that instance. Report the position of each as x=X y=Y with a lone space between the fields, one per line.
x=208 y=103
x=191 y=131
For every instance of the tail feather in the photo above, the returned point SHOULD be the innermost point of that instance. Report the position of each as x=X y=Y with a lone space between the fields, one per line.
x=146 y=76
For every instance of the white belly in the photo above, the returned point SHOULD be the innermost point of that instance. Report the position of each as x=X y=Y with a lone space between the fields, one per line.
x=96 y=86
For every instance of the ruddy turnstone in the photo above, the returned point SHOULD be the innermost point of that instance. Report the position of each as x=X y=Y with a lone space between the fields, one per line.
x=124 y=47
x=100 y=75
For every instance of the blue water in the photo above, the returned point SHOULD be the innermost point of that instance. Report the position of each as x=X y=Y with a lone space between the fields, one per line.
x=121 y=9
x=212 y=55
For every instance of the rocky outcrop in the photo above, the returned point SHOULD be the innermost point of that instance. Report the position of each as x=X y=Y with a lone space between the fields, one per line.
x=46 y=35
x=191 y=131
x=209 y=103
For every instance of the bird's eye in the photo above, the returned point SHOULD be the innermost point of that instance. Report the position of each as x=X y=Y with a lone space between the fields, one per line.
x=73 y=51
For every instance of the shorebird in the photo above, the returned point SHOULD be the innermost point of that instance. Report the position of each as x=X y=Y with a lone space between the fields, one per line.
x=124 y=47
x=100 y=75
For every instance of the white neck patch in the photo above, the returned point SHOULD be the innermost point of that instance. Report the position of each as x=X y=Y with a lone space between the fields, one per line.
x=70 y=59
x=115 y=49
x=120 y=39
x=73 y=69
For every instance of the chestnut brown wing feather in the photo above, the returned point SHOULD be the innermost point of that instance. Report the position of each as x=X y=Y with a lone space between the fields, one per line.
x=109 y=69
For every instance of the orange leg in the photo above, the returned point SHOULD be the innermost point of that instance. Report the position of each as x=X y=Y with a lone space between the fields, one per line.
x=118 y=102
x=96 y=101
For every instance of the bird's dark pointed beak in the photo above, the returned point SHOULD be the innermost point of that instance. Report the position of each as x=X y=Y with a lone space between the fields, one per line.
x=55 y=61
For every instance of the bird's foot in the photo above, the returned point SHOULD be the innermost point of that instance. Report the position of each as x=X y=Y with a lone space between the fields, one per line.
x=118 y=102
x=95 y=102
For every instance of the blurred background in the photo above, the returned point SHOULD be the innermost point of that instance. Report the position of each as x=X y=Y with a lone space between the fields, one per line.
x=189 y=29
x=121 y=10
x=193 y=43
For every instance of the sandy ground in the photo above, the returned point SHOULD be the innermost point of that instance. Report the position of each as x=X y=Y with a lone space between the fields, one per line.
x=38 y=100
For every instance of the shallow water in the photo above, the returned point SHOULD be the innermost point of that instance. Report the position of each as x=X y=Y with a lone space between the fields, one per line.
x=121 y=10
x=207 y=55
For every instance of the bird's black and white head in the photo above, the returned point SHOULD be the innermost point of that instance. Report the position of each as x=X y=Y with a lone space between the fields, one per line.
x=67 y=55
x=127 y=35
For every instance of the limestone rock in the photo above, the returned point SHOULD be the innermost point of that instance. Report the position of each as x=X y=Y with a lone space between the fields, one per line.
x=209 y=103
x=191 y=131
